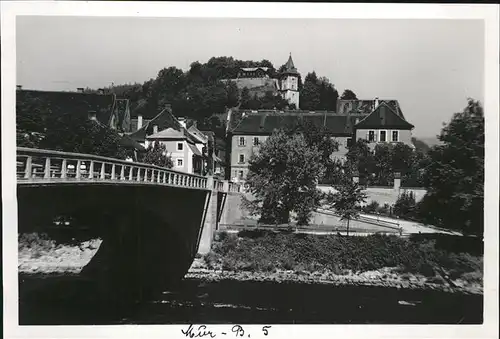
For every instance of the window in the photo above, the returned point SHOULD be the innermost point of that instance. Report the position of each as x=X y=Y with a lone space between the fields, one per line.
x=349 y=142
x=180 y=146
x=383 y=136
x=241 y=175
x=255 y=141
x=371 y=136
x=241 y=158
x=395 y=136
x=241 y=141
x=180 y=162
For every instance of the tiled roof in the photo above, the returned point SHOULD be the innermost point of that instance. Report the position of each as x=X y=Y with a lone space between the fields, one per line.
x=73 y=102
x=163 y=120
x=265 y=122
x=384 y=116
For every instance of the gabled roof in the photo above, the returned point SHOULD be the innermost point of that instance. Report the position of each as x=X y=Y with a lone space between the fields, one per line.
x=365 y=106
x=168 y=133
x=162 y=120
x=384 y=116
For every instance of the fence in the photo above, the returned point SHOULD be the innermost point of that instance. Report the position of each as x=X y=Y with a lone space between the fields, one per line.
x=38 y=165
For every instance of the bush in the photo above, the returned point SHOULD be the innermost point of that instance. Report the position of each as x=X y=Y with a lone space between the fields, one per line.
x=304 y=252
x=211 y=259
x=371 y=207
x=385 y=210
x=405 y=205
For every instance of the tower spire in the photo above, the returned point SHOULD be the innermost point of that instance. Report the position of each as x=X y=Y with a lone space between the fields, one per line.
x=289 y=66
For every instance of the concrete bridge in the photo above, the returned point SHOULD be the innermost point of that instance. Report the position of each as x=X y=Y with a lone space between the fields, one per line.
x=152 y=220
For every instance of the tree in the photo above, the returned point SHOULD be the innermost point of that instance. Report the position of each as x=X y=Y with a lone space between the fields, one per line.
x=348 y=95
x=283 y=177
x=317 y=137
x=318 y=93
x=361 y=159
x=346 y=200
x=156 y=154
x=233 y=95
x=420 y=145
x=74 y=133
x=245 y=98
x=310 y=96
x=31 y=114
x=384 y=172
x=454 y=177
x=328 y=95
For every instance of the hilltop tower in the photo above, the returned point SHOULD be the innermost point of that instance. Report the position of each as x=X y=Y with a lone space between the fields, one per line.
x=289 y=83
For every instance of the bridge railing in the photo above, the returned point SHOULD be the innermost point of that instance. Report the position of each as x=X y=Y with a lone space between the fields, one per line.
x=46 y=165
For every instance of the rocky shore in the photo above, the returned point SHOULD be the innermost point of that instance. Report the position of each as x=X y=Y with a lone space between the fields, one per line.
x=45 y=257
x=51 y=259
x=386 y=277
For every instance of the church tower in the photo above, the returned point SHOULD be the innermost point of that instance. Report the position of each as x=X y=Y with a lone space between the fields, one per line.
x=289 y=83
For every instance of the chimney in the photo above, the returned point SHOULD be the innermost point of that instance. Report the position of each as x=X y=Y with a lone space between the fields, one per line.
x=182 y=121
x=139 y=121
x=80 y=89
x=100 y=91
x=155 y=129
x=376 y=103
x=93 y=115
x=195 y=124
x=168 y=107
x=19 y=87
x=357 y=120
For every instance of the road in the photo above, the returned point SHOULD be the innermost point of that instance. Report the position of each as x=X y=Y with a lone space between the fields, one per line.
x=410 y=227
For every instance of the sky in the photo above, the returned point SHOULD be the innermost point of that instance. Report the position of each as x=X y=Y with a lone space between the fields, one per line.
x=430 y=66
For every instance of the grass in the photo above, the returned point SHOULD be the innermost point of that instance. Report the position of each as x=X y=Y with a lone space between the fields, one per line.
x=263 y=251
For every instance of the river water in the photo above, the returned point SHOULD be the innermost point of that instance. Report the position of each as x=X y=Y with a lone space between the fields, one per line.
x=69 y=300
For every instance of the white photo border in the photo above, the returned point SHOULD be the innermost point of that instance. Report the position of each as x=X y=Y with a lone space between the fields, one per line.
x=488 y=13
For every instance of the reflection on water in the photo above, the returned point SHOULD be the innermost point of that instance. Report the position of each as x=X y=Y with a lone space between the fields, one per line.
x=73 y=301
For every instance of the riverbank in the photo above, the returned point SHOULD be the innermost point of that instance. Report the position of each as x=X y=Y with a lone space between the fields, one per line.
x=383 y=261
x=39 y=254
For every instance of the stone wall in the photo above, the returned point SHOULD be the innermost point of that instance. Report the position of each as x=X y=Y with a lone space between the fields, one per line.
x=233 y=209
x=384 y=195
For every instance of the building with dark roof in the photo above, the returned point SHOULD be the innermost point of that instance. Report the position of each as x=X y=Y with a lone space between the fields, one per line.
x=105 y=108
x=188 y=146
x=374 y=120
x=258 y=81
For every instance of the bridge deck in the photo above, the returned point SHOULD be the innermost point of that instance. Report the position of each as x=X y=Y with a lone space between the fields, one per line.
x=46 y=167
